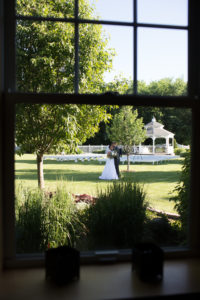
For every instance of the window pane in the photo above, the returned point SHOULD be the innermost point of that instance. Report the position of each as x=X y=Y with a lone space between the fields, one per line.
x=106 y=58
x=162 y=54
x=45 y=57
x=112 y=10
x=82 y=197
x=171 y=12
x=44 y=8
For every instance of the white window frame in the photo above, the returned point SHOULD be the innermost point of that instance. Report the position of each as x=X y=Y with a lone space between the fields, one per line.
x=9 y=97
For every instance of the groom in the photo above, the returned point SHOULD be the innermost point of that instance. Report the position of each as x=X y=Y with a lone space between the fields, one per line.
x=117 y=158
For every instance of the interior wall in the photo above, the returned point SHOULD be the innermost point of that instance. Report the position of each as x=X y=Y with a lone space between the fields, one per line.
x=1 y=126
x=1 y=225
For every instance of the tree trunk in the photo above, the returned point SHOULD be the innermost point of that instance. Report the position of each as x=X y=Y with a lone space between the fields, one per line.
x=128 y=162
x=40 y=171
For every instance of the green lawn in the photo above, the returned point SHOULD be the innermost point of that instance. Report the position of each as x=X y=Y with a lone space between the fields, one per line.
x=83 y=177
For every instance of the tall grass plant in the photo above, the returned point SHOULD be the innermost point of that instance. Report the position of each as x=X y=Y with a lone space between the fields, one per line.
x=45 y=219
x=117 y=218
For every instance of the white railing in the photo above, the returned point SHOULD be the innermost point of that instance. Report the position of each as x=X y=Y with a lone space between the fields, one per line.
x=183 y=146
x=143 y=149
x=92 y=148
x=140 y=149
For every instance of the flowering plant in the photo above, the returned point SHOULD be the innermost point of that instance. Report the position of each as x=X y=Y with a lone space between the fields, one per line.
x=113 y=154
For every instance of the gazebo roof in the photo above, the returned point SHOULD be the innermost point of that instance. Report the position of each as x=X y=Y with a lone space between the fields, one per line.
x=156 y=130
x=154 y=124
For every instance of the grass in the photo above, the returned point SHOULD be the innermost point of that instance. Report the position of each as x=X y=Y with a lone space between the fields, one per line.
x=83 y=177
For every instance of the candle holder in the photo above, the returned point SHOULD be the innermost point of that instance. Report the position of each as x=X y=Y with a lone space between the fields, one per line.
x=62 y=264
x=147 y=261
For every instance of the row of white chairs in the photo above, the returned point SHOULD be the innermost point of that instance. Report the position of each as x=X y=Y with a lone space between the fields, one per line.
x=101 y=158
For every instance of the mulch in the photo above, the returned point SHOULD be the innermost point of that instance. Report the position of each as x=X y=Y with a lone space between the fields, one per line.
x=84 y=198
x=77 y=197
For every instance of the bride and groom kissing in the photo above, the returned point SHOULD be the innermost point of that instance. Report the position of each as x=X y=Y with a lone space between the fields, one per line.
x=111 y=169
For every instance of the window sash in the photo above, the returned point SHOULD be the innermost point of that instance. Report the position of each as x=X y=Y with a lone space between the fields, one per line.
x=179 y=102
x=10 y=98
x=76 y=20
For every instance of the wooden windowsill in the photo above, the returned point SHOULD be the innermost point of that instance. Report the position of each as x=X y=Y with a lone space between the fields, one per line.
x=115 y=281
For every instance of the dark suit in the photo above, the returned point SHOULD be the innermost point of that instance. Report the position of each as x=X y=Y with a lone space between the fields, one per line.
x=117 y=159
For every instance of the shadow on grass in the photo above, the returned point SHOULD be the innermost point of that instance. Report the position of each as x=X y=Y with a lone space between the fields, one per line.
x=56 y=174
x=81 y=163
x=55 y=162
x=164 y=162
x=95 y=162
x=26 y=161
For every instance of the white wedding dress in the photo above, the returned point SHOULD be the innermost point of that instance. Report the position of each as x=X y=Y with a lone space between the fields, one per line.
x=109 y=172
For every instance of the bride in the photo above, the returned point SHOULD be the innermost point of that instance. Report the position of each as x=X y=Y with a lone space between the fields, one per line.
x=109 y=172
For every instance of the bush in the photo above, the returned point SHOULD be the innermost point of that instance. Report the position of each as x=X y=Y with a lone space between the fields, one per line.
x=161 y=231
x=180 y=151
x=46 y=218
x=175 y=144
x=183 y=192
x=99 y=151
x=116 y=219
x=62 y=220
x=30 y=215
x=78 y=151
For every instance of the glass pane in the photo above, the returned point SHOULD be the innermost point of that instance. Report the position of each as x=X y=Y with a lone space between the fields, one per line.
x=45 y=57
x=110 y=10
x=106 y=58
x=162 y=54
x=171 y=12
x=67 y=151
x=45 y=8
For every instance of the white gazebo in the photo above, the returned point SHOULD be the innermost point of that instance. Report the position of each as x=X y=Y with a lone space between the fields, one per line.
x=156 y=130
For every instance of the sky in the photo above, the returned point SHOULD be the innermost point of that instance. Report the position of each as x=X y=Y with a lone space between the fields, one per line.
x=161 y=52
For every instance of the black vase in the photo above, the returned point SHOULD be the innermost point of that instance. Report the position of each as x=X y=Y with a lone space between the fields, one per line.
x=62 y=264
x=147 y=261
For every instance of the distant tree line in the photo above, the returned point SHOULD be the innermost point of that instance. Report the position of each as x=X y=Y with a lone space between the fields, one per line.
x=176 y=120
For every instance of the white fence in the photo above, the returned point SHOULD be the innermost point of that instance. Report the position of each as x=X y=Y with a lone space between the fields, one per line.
x=92 y=148
x=183 y=146
x=143 y=149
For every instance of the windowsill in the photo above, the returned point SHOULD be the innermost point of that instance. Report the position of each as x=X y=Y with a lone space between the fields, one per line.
x=114 y=281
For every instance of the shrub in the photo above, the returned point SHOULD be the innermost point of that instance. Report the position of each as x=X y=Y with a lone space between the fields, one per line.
x=117 y=217
x=161 y=231
x=62 y=219
x=99 y=151
x=183 y=192
x=30 y=213
x=78 y=151
x=175 y=144
x=180 y=151
x=44 y=218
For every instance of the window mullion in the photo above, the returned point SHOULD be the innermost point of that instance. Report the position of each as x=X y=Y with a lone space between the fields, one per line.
x=193 y=49
x=135 y=49
x=9 y=40
x=8 y=179
x=194 y=207
x=76 y=81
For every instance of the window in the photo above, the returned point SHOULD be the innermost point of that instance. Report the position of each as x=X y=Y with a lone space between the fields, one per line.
x=101 y=49
x=75 y=82
x=91 y=200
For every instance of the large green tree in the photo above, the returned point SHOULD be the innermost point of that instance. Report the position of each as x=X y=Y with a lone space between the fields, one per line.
x=45 y=57
x=45 y=50
x=127 y=129
x=53 y=128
